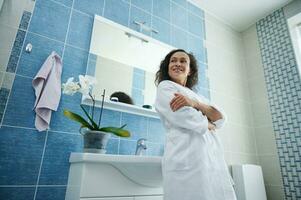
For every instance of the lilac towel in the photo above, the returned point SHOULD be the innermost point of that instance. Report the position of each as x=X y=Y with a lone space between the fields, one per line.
x=47 y=86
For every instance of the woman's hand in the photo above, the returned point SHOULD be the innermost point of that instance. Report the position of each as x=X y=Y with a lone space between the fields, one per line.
x=211 y=126
x=179 y=101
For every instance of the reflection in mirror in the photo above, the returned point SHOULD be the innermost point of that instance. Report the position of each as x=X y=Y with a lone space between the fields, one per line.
x=121 y=97
x=123 y=60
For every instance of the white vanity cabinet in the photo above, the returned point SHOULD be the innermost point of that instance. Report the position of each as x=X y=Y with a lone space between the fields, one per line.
x=149 y=198
x=129 y=198
x=114 y=177
x=110 y=198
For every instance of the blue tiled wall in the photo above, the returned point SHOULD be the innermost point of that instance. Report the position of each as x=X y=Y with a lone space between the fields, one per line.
x=138 y=86
x=34 y=165
x=284 y=93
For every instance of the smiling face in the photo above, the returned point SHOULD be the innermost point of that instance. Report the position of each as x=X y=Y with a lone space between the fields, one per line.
x=179 y=67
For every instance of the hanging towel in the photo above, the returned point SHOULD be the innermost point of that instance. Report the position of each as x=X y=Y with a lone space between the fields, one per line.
x=47 y=86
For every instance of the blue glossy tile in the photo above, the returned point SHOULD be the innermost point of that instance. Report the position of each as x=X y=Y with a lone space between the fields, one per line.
x=61 y=123
x=51 y=193
x=112 y=146
x=25 y=20
x=55 y=168
x=195 y=45
x=67 y=3
x=109 y=117
x=91 y=7
x=201 y=55
x=137 y=96
x=50 y=19
x=127 y=147
x=30 y=64
x=93 y=57
x=142 y=17
x=195 y=10
x=143 y=4
x=203 y=81
x=179 y=20
x=179 y=38
x=163 y=29
x=80 y=30
x=156 y=131
x=136 y=124
x=74 y=62
x=182 y=3
x=117 y=11
x=16 y=51
x=138 y=81
x=17 y=193
x=204 y=92
x=202 y=69
x=91 y=67
x=3 y=100
x=196 y=25
x=154 y=149
x=21 y=154
x=139 y=71
x=161 y=8
x=19 y=110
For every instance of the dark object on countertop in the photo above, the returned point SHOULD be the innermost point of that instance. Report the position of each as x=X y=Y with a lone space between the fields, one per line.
x=147 y=106
x=121 y=97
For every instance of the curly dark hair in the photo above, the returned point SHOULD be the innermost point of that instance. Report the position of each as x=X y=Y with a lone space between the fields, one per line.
x=162 y=73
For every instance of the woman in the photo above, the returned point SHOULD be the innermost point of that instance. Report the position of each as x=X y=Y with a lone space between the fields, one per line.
x=193 y=162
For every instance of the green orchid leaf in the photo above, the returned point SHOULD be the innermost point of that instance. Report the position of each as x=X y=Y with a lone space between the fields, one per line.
x=77 y=118
x=117 y=131
x=91 y=120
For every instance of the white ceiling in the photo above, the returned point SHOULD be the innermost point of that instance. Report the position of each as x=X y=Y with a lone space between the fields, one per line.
x=240 y=14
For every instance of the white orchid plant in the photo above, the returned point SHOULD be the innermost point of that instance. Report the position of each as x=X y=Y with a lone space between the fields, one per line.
x=85 y=86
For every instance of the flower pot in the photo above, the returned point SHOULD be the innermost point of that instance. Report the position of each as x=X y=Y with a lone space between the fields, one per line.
x=95 y=141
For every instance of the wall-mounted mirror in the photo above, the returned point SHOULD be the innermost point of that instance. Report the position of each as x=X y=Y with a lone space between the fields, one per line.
x=123 y=60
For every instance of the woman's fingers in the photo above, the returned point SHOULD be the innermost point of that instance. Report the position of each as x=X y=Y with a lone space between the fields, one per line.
x=178 y=102
x=177 y=96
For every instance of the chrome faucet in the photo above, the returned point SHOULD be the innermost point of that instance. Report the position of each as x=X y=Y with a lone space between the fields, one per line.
x=141 y=146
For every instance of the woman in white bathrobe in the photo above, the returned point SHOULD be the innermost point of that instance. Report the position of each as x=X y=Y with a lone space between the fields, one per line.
x=193 y=163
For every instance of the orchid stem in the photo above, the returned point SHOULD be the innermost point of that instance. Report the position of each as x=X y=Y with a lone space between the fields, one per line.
x=93 y=105
x=103 y=97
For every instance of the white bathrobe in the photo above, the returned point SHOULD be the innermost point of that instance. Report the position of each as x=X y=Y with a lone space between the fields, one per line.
x=193 y=163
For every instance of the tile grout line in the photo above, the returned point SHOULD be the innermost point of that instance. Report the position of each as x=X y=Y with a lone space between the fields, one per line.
x=151 y=22
x=103 y=9
x=68 y=27
x=130 y=8
x=41 y=164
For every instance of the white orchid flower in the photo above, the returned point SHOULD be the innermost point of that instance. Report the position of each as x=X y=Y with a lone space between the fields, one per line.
x=86 y=83
x=70 y=87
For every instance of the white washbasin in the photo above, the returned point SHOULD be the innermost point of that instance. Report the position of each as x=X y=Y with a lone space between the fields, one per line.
x=144 y=170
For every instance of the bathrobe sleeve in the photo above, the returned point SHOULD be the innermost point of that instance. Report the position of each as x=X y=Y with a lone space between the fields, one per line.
x=186 y=117
x=219 y=123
